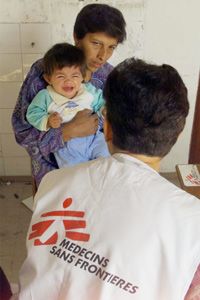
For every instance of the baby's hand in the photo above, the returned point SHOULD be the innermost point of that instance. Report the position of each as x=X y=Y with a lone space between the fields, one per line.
x=54 y=120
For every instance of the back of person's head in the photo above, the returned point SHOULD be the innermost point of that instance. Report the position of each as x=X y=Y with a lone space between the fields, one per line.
x=100 y=18
x=147 y=106
x=63 y=55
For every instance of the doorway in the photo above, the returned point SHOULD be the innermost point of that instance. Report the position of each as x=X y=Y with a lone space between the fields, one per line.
x=194 y=153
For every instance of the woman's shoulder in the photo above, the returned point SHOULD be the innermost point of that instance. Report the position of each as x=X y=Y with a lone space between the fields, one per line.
x=34 y=81
x=99 y=77
x=103 y=71
x=37 y=68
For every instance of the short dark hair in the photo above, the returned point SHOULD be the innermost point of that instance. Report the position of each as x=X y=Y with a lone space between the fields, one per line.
x=100 y=18
x=63 y=55
x=147 y=106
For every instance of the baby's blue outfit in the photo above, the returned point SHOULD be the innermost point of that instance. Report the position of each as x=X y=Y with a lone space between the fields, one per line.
x=77 y=150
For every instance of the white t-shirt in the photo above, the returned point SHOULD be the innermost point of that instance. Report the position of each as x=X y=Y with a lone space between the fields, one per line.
x=111 y=229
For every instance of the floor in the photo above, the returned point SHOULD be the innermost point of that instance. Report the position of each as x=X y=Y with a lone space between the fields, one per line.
x=14 y=222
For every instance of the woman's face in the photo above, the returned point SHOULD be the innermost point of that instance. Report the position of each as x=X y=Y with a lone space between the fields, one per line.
x=98 y=48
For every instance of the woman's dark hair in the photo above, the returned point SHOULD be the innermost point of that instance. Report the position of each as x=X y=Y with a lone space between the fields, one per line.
x=63 y=55
x=100 y=18
x=147 y=106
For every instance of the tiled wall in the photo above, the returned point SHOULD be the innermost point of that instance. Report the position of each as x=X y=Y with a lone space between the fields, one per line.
x=153 y=34
x=20 y=45
x=26 y=32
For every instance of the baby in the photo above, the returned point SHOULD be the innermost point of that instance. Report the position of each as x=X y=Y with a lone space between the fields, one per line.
x=64 y=70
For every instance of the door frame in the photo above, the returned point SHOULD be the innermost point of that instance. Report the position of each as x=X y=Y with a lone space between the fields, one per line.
x=194 y=152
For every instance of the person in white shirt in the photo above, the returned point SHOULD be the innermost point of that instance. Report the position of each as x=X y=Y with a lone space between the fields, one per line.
x=113 y=228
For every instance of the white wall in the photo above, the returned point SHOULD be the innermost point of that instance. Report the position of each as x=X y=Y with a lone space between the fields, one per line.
x=172 y=36
x=159 y=31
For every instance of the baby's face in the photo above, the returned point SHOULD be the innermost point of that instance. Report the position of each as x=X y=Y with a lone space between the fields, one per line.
x=66 y=81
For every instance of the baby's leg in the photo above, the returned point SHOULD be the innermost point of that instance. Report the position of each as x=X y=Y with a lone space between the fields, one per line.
x=98 y=147
x=73 y=153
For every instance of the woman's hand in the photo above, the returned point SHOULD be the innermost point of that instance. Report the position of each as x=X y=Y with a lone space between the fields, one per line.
x=84 y=123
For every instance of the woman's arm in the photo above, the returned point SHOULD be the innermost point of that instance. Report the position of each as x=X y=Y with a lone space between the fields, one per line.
x=84 y=123
x=26 y=135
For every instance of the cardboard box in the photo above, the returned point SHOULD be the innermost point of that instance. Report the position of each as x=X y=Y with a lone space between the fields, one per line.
x=189 y=178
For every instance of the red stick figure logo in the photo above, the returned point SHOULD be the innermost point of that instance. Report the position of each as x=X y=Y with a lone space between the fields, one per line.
x=45 y=232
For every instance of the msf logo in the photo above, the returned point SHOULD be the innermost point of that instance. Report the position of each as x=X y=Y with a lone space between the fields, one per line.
x=46 y=231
